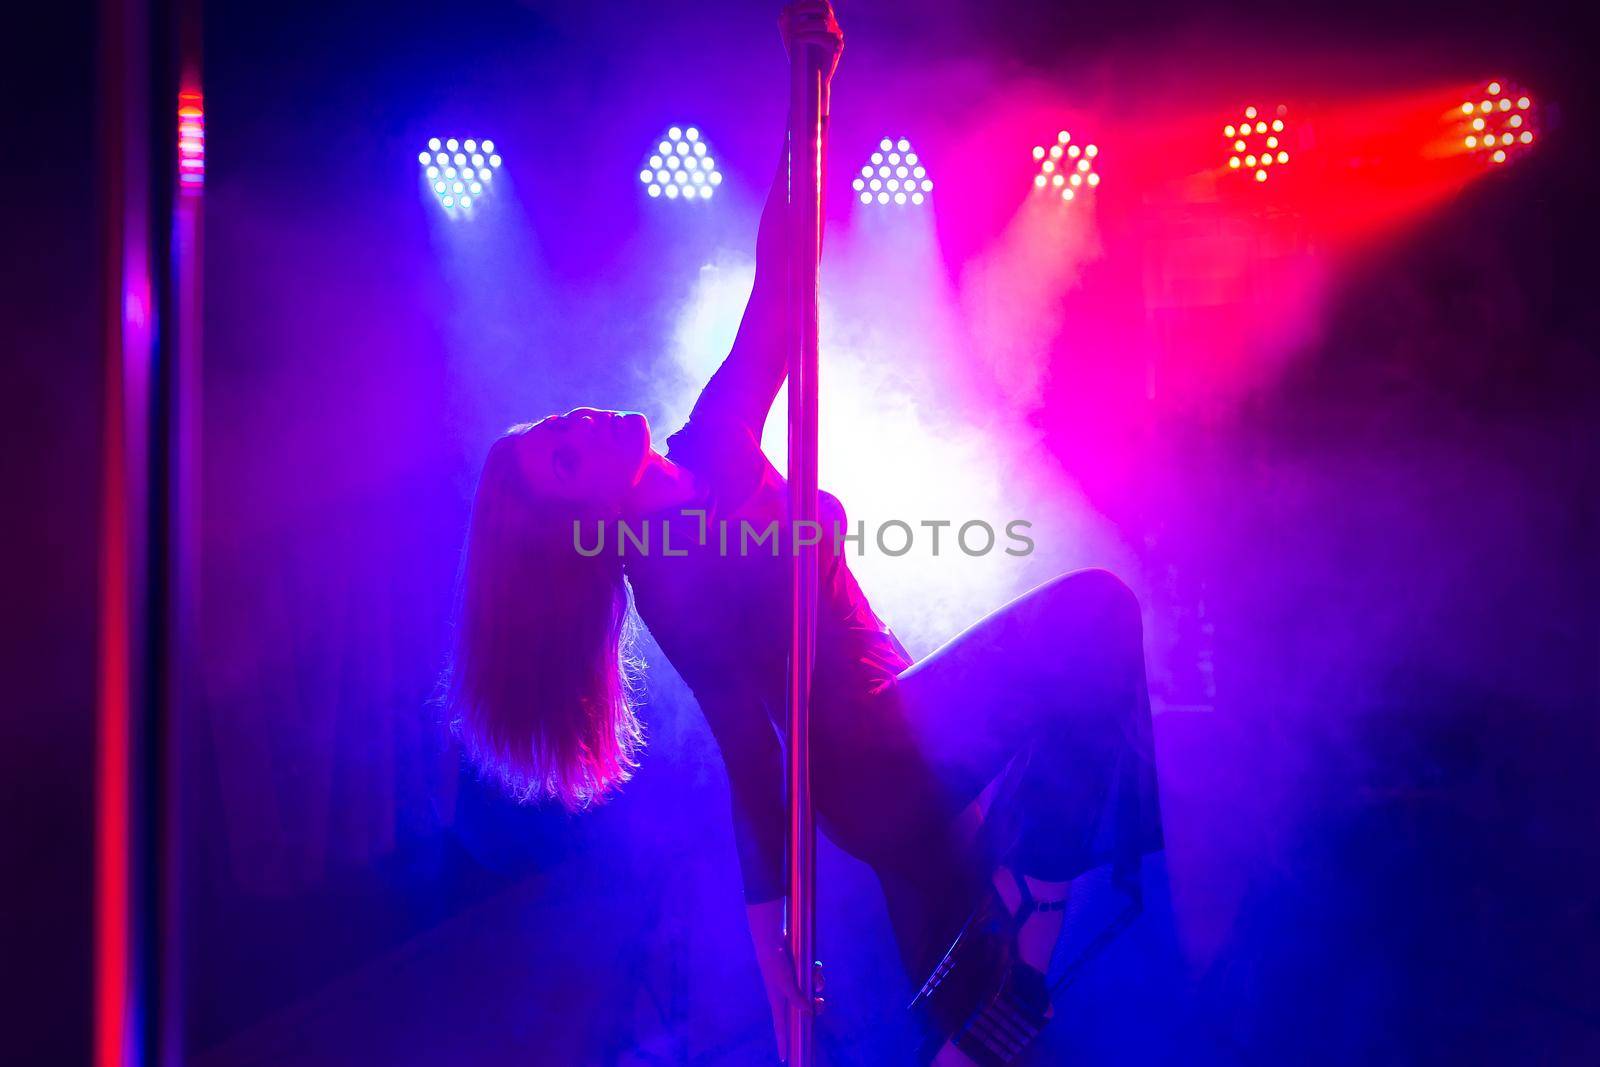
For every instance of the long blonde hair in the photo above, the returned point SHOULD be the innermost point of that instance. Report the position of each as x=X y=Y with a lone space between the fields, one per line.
x=539 y=685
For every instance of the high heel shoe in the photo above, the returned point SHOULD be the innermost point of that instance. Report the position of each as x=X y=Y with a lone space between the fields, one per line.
x=1007 y=1022
x=982 y=996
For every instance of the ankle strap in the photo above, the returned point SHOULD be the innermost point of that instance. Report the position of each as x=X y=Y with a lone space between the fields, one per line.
x=1027 y=904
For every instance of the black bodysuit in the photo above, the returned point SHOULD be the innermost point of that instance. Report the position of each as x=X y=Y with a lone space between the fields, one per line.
x=720 y=614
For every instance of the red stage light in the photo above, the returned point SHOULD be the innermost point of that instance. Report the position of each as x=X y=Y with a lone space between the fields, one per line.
x=1065 y=168
x=1498 y=124
x=1256 y=144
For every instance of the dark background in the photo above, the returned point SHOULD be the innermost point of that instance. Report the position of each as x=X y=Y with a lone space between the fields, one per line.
x=1383 y=833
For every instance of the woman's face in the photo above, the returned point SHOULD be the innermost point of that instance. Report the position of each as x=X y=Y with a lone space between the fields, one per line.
x=586 y=455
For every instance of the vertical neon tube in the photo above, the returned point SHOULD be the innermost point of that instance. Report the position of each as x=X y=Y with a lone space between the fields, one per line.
x=127 y=314
x=178 y=427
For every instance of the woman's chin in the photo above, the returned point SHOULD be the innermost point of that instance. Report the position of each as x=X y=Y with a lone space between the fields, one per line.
x=639 y=427
x=640 y=444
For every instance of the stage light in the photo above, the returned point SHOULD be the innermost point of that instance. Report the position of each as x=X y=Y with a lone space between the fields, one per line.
x=1256 y=144
x=191 y=141
x=680 y=167
x=457 y=186
x=1065 y=169
x=893 y=174
x=1500 y=124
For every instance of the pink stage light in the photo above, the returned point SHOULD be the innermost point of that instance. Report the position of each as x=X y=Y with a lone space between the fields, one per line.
x=459 y=172
x=191 y=141
x=1499 y=123
x=681 y=167
x=893 y=175
x=1066 y=169
x=1258 y=145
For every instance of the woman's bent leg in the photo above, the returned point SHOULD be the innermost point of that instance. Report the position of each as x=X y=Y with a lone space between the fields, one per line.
x=1056 y=679
x=1052 y=685
x=1058 y=671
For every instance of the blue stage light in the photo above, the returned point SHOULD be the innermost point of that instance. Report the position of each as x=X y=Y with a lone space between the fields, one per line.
x=459 y=172
x=680 y=167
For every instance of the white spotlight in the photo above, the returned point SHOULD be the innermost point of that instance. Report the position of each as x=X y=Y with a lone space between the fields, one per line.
x=680 y=166
x=893 y=175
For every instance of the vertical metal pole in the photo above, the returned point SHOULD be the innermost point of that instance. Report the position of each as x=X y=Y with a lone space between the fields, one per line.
x=805 y=245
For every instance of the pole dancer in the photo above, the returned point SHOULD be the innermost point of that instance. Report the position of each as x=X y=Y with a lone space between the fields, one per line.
x=577 y=520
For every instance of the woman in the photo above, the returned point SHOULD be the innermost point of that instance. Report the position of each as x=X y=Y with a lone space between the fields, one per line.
x=1050 y=687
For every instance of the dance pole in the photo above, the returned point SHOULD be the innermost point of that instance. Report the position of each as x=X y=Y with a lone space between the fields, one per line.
x=805 y=245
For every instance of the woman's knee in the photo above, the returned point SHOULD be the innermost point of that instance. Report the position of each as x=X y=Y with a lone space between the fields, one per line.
x=1099 y=597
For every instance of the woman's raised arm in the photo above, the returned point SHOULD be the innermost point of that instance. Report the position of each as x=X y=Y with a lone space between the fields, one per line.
x=746 y=384
x=744 y=387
